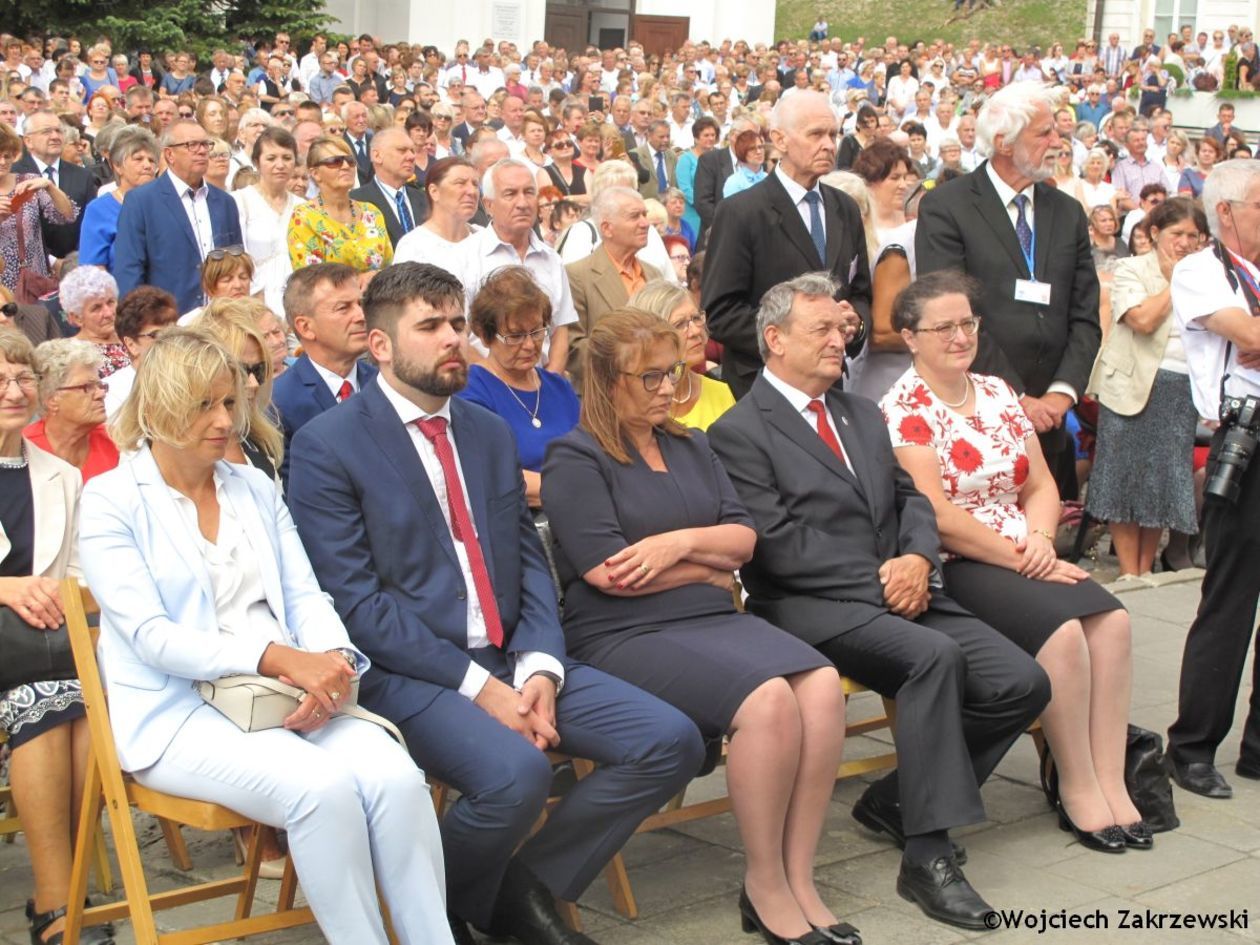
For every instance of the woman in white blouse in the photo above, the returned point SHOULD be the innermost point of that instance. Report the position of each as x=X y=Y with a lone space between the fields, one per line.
x=1096 y=192
x=452 y=187
x=265 y=209
x=200 y=574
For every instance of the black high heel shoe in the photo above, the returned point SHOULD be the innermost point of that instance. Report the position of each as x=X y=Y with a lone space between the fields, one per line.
x=751 y=922
x=1108 y=840
x=1138 y=835
x=840 y=934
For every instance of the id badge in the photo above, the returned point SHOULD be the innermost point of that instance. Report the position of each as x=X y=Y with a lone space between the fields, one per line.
x=1030 y=290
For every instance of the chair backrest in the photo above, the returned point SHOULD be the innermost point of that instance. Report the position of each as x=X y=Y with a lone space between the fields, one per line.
x=79 y=604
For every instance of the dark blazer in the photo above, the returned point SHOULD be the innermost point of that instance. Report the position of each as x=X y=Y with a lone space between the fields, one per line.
x=381 y=547
x=461 y=132
x=419 y=203
x=364 y=163
x=963 y=225
x=823 y=530
x=36 y=322
x=156 y=244
x=300 y=395
x=759 y=240
x=77 y=183
x=712 y=169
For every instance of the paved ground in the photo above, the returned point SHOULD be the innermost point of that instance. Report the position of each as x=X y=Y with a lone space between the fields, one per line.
x=687 y=880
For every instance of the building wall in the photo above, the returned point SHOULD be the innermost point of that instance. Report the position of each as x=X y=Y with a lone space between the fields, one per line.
x=716 y=20
x=1130 y=17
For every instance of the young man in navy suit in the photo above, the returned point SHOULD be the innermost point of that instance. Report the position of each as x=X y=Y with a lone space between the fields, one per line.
x=323 y=305
x=411 y=505
x=168 y=226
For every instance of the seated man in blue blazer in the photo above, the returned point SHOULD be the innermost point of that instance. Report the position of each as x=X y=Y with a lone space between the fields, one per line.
x=167 y=226
x=323 y=304
x=411 y=505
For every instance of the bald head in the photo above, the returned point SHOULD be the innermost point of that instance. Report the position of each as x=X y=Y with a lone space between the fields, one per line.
x=393 y=157
x=798 y=109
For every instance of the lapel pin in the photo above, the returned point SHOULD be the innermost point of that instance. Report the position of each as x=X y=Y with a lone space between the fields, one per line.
x=844 y=420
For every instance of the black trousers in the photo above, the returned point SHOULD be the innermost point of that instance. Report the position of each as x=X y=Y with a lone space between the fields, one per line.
x=964 y=694
x=1222 y=632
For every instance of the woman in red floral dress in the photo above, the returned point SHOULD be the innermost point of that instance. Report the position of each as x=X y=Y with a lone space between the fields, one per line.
x=972 y=451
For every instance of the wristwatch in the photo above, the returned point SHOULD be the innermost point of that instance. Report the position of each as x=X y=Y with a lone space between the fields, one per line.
x=555 y=680
x=347 y=654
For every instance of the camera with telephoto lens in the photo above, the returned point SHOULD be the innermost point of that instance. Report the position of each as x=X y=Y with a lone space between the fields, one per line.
x=1240 y=418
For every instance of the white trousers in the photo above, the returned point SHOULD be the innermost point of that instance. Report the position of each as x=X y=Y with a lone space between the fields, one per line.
x=356 y=808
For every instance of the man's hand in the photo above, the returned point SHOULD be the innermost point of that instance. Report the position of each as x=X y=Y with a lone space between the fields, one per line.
x=538 y=697
x=1046 y=413
x=852 y=320
x=502 y=703
x=905 y=581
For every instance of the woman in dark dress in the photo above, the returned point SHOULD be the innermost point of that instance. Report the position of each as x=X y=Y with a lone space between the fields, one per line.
x=972 y=451
x=648 y=531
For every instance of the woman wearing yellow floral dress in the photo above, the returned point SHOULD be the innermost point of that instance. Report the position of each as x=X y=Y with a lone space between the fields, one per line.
x=332 y=227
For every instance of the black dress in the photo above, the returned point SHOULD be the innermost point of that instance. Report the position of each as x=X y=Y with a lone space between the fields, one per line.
x=688 y=646
x=575 y=189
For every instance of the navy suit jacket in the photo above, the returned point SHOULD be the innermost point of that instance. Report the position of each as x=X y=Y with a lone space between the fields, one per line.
x=156 y=244
x=381 y=547
x=301 y=395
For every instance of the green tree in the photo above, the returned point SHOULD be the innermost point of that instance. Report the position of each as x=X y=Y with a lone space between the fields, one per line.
x=198 y=25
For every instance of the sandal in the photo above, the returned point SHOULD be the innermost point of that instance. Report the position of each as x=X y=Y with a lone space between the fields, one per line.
x=94 y=935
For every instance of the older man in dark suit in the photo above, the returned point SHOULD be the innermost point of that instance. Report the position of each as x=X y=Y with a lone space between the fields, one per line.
x=846 y=559
x=402 y=206
x=43 y=138
x=785 y=226
x=1028 y=244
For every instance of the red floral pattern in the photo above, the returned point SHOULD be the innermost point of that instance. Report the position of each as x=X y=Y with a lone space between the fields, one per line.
x=983 y=457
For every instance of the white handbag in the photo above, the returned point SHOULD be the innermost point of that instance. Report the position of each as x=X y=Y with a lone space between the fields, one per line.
x=256 y=703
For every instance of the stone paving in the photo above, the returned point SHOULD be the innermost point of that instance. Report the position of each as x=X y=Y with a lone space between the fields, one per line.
x=686 y=880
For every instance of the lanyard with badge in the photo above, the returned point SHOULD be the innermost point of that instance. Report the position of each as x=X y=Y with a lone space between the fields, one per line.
x=1240 y=280
x=1031 y=289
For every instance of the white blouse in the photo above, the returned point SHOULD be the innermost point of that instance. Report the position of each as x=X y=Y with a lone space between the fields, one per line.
x=265 y=232
x=424 y=246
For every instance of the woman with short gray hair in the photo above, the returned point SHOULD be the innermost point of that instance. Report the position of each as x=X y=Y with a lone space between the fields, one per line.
x=133 y=158
x=72 y=405
x=89 y=297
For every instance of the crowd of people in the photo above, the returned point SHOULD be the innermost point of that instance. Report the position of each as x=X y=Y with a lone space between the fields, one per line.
x=827 y=333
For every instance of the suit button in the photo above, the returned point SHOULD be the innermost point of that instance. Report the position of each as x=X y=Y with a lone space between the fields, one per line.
x=461 y=594
x=879 y=533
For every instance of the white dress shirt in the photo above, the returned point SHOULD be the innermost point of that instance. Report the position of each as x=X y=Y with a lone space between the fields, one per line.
x=196 y=204
x=800 y=402
x=391 y=200
x=796 y=193
x=527 y=663
x=1006 y=194
x=43 y=169
x=335 y=380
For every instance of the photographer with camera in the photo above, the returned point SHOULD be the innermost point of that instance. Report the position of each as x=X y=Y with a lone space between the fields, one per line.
x=1216 y=301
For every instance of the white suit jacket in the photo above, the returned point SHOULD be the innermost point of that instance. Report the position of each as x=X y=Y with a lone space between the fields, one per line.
x=55 y=488
x=159 y=626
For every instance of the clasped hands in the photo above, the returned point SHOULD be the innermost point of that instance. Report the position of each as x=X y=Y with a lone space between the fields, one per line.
x=905 y=581
x=531 y=713
x=324 y=678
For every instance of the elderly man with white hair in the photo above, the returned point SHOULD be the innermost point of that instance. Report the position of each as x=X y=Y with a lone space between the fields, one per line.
x=509 y=190
x=1028 y=243
x=606 y=279
x=1215 y=300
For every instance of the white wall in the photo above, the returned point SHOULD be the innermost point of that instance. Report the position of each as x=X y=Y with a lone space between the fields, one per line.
x=716 y=20
x=1130 y=17
x=441 y=24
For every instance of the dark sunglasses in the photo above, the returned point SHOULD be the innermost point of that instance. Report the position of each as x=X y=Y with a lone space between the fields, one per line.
x=257 y=370
x=215 y=255
x=337 y=160
x=9 y=309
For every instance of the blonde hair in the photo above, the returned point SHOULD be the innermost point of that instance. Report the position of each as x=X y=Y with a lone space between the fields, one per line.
x=212 y=270
x=172 y=388
x=233 y=323
x=325 y=146
x=656 y=212
x=619 y=341
x=659 y=297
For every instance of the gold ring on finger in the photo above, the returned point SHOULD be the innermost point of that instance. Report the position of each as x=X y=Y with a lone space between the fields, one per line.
x=318 y=714
x=645 y=569
x=335 y=696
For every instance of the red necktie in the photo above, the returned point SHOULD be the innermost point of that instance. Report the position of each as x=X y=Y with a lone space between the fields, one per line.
x=434 y=430
x=345 y=391
x=824 y=429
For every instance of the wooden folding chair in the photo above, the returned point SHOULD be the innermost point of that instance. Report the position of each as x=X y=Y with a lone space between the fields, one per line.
x=106 y=786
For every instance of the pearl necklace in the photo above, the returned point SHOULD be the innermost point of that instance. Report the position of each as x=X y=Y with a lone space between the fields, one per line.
x=15 y=462
x=966 y=394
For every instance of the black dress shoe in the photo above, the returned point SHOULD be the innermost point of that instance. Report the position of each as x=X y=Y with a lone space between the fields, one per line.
x=460 y=931
x=1248 y=769
x=1199 y=777
x=526 y=911
x=943 y=893
x=882 y=816
x=1109 y=839
x=840 y=934
x=1138 y=836
x=750 y=922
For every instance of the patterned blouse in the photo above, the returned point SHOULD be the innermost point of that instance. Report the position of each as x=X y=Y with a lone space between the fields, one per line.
x=28 y=217
x=315 y=237
x=983 y=458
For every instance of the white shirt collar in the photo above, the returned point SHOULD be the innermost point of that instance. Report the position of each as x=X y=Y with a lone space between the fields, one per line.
x=796 y=193
x=1006 y=193
x=388 y=191
x=408 y=412
x=42 y=167
x=491 y=243
x=335 y=380
x=799 y=400
x=182 y=187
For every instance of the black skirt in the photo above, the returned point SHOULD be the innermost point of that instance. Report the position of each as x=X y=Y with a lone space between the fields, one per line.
x=1023 y=610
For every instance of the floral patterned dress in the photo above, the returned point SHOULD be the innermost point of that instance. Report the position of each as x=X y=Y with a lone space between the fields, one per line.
x=28 y=217
x=983 y=457
x=316 y=237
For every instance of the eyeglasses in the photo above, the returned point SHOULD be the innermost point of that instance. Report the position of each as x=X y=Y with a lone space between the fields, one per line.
x=25 y=382
x=202 y=144
x=337 y=160
x=277 y=113
x=945 y=332
x=652 y=380
x=257 y=370
x=518 y=338
x=685 y=324
x=90 y=388
x=185 y=113
x=562 y=143
x=215 y=255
